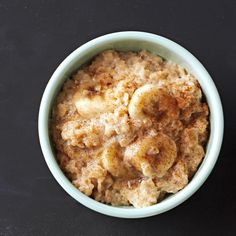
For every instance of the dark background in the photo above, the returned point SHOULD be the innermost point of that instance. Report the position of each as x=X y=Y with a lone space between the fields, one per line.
x=35 y=36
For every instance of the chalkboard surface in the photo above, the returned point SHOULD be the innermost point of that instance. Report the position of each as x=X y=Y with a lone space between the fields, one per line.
x=35 y=36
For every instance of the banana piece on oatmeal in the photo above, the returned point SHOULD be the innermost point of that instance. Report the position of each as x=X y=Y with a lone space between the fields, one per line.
x=151 y=101
x=153 y=156
x=91 y=106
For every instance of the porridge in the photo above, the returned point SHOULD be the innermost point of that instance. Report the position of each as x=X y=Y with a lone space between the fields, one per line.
x=130 y=128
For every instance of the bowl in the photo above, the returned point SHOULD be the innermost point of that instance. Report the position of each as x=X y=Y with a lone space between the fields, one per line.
x=133 y=41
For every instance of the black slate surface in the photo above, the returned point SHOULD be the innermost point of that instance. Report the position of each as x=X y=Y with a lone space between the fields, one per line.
x=35 y=36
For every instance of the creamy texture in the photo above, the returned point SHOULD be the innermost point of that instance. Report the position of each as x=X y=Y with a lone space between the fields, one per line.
x=129 y=128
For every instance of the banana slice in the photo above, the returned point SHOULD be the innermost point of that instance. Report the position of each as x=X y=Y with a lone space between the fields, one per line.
x=152 y=155
x=91 y=106
x=112 y=160
x=151 y=101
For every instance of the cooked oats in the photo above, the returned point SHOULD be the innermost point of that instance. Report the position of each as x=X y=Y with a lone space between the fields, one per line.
x=130 y=127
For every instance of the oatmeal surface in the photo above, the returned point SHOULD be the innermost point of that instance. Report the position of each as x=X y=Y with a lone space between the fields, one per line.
x=129 y=128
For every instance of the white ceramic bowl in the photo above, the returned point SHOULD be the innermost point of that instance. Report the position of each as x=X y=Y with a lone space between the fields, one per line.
x=134 y=41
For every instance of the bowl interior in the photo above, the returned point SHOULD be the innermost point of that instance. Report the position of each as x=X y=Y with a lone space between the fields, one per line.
x=169 y=51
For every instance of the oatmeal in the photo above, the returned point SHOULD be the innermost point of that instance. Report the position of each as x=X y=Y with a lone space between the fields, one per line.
x=130 y=128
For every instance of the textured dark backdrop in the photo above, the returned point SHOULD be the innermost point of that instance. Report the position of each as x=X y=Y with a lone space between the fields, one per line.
x=35 y=36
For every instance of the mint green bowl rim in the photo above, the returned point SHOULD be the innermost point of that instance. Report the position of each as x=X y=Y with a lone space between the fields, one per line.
x=213 y=147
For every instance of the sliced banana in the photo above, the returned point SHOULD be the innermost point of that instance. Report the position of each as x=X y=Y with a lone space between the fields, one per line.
x=112 y=160
x=91 y=106
x=151 y=101
x=152 y=155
